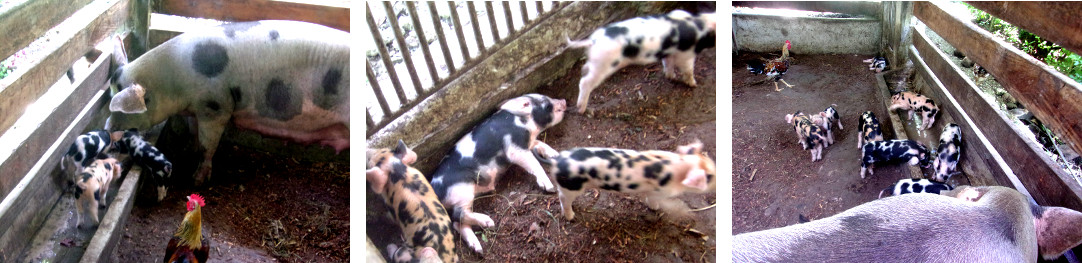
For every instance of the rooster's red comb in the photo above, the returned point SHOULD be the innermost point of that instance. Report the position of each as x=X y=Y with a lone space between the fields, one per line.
x=196 y=199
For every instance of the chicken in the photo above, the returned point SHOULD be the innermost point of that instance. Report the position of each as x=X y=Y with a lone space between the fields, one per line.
x=188 y=244
x=775 y=68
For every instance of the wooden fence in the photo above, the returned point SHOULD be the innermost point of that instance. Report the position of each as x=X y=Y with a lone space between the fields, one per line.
x=42 y=111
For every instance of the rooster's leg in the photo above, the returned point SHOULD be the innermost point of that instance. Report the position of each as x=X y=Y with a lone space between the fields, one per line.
x=786 y=83
x=776 y=86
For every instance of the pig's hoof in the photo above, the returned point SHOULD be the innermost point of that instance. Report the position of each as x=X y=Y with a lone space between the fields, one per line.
x=203 y=175
x=485 y=221
x=545 y=184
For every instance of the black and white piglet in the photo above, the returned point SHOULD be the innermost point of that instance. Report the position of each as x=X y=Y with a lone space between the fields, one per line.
x=660 y=175
x=826 y=119
x=908 y=186
x=878 y=64
x=673 y=38
x=505 y=138
x=86 y=148
x=810 y=136
x=948 y=153
x=148 y=157
x=869 y=129
x=909 y=151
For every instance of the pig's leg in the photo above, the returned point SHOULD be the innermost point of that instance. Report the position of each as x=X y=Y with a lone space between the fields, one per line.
x=685 y=62
x=523 y=158
x=78 y=210
x=567 y=198
x=467 y=235
x=598 y=68
x=210 y=133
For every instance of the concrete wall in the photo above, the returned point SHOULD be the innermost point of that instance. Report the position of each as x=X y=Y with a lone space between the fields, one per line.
x=809 y=35
x=535 y=58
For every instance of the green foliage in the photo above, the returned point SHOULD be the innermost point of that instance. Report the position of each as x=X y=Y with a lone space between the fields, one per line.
x=1061 y=59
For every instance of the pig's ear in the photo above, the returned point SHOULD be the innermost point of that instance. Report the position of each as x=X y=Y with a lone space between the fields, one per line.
x=691 y=149
x=402 y=152
x=789 y=118
x=129 y=100
x=1058 y=231
x=521 y=106
x=376 y=179
x=696 y=179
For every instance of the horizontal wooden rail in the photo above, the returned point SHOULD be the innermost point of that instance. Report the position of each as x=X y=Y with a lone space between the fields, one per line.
x=1048 y=184
x=871 y=9
x=251 y=10
x=28 y=21
x=1051 y=96
x=1055 y=21
x=92 y=24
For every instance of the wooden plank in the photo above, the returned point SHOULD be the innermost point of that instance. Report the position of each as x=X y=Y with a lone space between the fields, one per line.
x=1048 y=184
x=871 y=9
x=1055 y=21
x=18 y=162
x=251 y=10
x=1051 y=96
x=78 y=34
x=41 y=15
x=980 y=160
x=25 y=208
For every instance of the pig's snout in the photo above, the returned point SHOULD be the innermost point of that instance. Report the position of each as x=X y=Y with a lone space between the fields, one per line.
x=559 y=106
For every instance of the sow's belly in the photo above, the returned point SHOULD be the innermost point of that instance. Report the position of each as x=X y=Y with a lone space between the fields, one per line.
x=312 y=125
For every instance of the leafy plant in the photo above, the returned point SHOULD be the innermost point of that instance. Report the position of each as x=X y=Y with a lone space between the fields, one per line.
x=1061 y=59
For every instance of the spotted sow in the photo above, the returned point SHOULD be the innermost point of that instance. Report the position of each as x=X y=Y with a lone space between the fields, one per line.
x=282 y=79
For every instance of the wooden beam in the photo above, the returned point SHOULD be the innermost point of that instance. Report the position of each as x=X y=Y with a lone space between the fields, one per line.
x=251 y=10
x=871 y=9
x=980 y=160
x=28 y=21
x=19 y=161
x=1055 y=21
x=1051 y=96
x=1046 y=182
x=79 y=33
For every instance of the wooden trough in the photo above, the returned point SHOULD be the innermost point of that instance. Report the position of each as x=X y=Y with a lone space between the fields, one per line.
x=42 y=111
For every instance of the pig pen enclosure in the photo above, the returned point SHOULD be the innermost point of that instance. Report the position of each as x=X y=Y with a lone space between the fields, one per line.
x=525 y=52
x=268 y=201
x=774 y=180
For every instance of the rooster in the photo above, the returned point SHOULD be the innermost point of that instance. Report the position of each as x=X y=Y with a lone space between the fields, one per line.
x=187 y=244
x=775 y=68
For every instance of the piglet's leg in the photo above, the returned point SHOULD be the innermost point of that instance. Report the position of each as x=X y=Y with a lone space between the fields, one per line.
x=685 y=61
x=567 y=198
x=467 y=235
x=523 y=158
x=210 y=133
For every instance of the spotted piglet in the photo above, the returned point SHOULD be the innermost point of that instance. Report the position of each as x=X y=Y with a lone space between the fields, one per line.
x=869 y=129
x=826 y=119
x=148 y=157
x=913 y=103
x=92 y=185
x=908 y=186
x=810 y=136
x=426 y=227
x=877 y=64
x=948 y=153
x=85 y=149
x=660 y=175
x=674 y=39
x=909 y=151
x=505 y=138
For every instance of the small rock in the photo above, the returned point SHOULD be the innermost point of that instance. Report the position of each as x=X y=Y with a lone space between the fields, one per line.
x=325 y=244
x=533 y=228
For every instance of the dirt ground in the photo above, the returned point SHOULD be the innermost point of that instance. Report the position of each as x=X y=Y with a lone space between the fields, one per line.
x=636 y=108
x=259 y=208
x=774 y=180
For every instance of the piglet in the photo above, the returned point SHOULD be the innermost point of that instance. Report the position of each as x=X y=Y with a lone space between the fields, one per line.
x=660 y=175
x=948 y=153
x=826 y=119
x=810 y=136
x=913 y=103
x=93 y=185
x=908 y=186
x=674 y=39
x=148 y=157
x=86 y=148
x=505 y=138
x=968 y=224
x=869 y=129
x=909 y=151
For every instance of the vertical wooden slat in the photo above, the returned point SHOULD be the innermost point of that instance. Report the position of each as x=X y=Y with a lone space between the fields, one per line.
x=492 y=21
x=476 y=29
x=375 y=88
x=525 y=17
x=443 y=39
x=369 y=124
x=540 y=8
x=458 y=30
x=383 y=54
x=507 y=16
x=424 y=42
x=403 y=47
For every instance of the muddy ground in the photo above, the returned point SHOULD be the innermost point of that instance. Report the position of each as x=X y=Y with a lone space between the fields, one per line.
x=260 y=207
x=636 y=108
x=774 y=180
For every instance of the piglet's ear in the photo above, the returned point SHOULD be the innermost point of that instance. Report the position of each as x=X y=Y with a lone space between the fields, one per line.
x=693 y=148
x=696 y=179
x=129 y=100
x=1058 y=231
x=402 y=152
x=789 y=118
x=520 y=106
x=376 y=179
